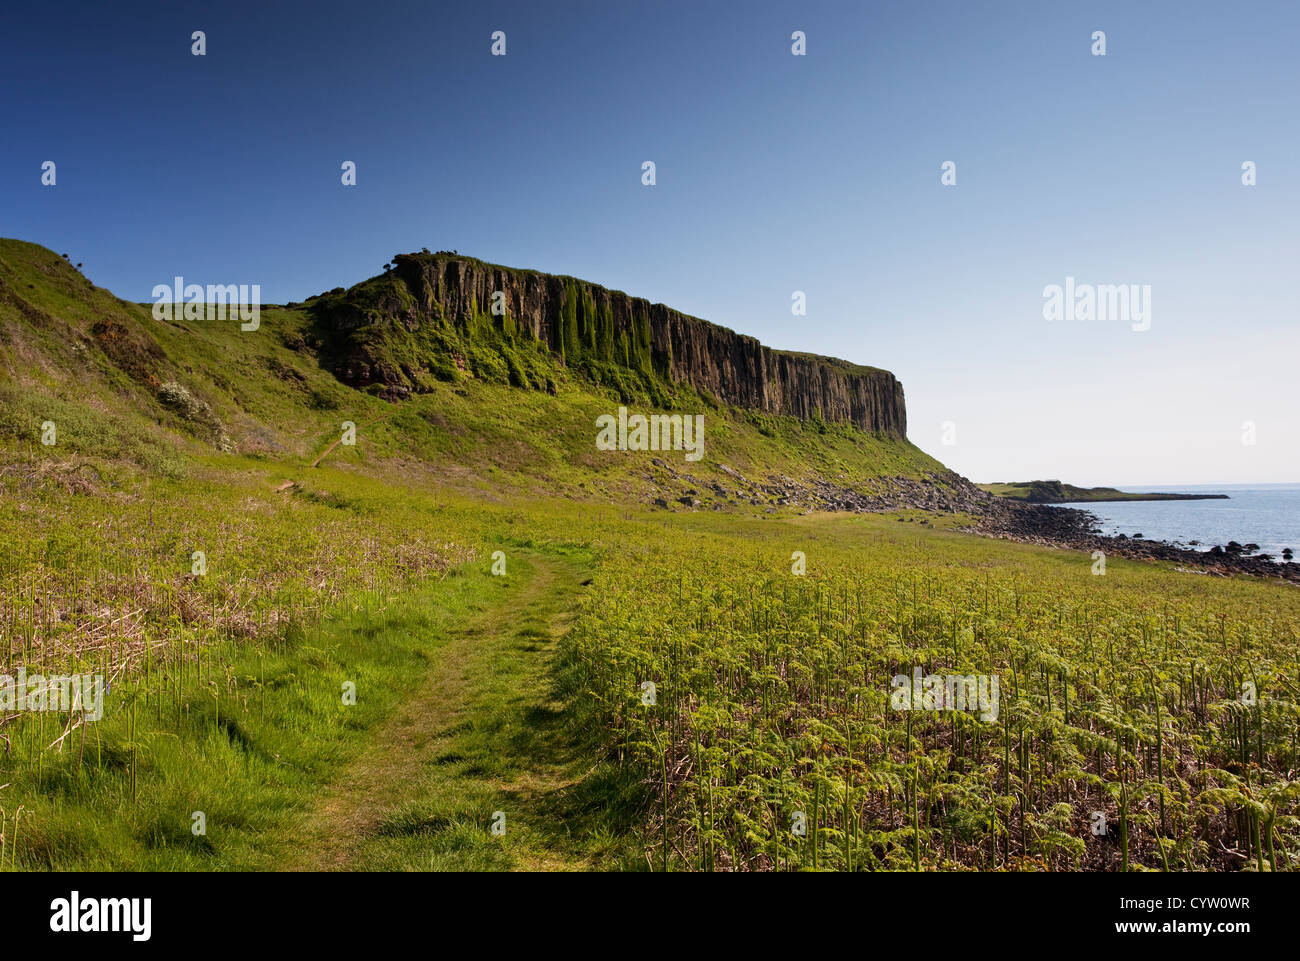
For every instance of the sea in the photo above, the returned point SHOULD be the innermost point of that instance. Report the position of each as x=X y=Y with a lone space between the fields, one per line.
x=1263 y=514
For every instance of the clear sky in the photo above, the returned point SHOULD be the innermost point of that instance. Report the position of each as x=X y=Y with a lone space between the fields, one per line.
x=775 y=173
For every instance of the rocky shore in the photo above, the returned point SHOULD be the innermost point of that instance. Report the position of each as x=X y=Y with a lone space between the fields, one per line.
x=947 y=493
x=1076 y=529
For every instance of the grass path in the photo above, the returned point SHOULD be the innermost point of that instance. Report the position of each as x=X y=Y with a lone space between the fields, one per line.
x=458 y=716
x=482 y=733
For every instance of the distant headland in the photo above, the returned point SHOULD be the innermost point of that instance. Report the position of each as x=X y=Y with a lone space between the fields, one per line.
x=1054 y=492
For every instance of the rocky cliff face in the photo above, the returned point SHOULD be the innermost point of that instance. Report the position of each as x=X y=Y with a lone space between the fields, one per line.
x=573 y=317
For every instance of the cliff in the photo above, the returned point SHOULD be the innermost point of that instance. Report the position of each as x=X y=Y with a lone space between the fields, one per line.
x=432 y=314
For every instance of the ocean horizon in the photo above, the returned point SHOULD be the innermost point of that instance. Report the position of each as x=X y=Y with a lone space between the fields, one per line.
x=1263 y=514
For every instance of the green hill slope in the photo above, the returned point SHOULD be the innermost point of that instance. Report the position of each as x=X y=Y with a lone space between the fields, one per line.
x=164 y=396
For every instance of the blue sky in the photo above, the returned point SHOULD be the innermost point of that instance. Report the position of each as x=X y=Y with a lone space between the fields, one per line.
x=775 y=173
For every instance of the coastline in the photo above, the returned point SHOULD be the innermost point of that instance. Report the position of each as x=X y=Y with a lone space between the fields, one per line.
x=1048 y=525
x=948 y=493
x=1075 y=528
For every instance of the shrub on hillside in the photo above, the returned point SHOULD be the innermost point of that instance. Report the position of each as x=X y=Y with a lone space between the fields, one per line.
x=194 y=411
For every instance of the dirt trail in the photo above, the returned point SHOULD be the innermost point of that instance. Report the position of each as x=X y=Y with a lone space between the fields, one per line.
x=492 y=672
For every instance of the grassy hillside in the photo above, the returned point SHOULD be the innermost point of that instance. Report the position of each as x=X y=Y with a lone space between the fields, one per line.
x=495 y=595
x=94 y=366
